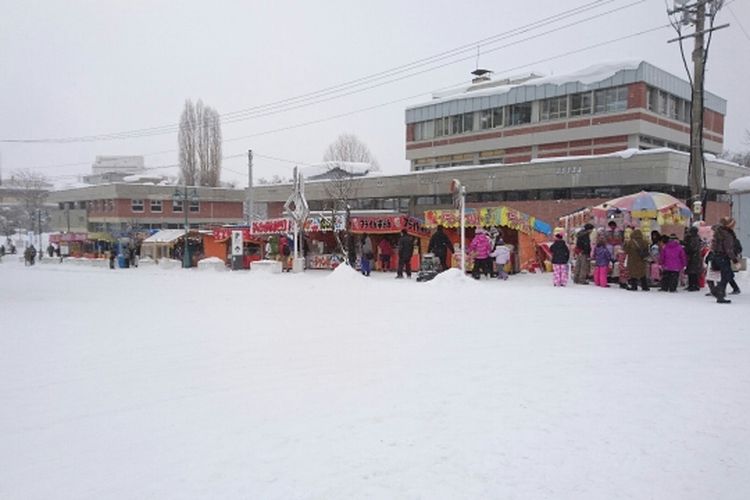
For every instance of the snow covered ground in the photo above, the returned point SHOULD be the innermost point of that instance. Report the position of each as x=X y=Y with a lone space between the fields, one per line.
x=152 y=383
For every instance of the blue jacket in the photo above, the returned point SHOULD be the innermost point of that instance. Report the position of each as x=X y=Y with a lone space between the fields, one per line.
x=602 y=256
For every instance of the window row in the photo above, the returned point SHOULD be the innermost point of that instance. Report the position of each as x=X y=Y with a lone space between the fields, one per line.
x=611 y=100
x=156 y=206
x=668 y=105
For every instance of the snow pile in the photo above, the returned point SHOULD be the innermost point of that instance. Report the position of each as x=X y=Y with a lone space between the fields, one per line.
x=452 y=277
x=170 y=264
x=344 y=274
x=212 y=263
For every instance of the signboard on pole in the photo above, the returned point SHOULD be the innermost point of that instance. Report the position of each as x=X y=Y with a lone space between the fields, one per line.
x=237 y=244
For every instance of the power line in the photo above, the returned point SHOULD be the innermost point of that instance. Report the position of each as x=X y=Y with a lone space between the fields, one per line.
x=738 y=22
x=315 y=97
x=385 y=104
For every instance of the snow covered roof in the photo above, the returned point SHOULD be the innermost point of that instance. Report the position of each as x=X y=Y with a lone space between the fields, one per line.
x=741 y=185
x=165 y=236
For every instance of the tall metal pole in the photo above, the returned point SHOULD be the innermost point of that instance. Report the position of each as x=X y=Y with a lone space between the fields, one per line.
x=695 y=178
x=462 y=195
x=249 y=194
x=186 y=247
x=39 y=226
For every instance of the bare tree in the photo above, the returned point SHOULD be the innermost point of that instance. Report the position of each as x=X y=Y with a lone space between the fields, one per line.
x=348 y=148
x=32 y=190
x=200 y=145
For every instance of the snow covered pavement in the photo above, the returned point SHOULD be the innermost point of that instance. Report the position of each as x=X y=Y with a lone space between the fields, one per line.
x=149 y=383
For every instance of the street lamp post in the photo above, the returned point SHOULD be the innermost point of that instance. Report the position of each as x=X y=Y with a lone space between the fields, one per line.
x=185 y=196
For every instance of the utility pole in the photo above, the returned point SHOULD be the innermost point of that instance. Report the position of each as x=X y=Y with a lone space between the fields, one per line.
x=249 y=194
x=695 y=14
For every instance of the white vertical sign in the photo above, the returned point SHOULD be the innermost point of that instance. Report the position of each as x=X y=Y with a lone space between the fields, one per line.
x=236 y=243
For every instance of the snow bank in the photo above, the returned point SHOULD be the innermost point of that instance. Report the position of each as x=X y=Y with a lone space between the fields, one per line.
x=452 y=277
x=212 y=264
x=344 y=274
x=169 y=264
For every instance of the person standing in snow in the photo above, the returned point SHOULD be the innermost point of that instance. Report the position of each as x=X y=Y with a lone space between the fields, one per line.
x=385 y=250
x=405 y=250
x=602 y=258
x=694 y=260
x=673 y=260
x=637 y=251
x=439 y=246
x=502 y=256
x=724 y=255
x=366 y=259
x=480 y=249
x=560 y=259
x=583 y=255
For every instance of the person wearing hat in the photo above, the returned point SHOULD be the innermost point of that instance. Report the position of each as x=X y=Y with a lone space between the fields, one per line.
x=405 y=251
x=560 y=259
x=480 y=249
x=439 y=246
x=724 y=248
x=583 y=255
x=637 y=251
x=673 y=260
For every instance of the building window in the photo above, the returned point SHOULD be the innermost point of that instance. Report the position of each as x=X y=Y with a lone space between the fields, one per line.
x=195 y=206
x=156 y=206
x=461 y=123
x=136 y=205
x=554 y=108
x=518 y=114
x=177 y=206
x=580 y=104
x=442 y=127
x=424 y=130
x=491 y=118
x=425 y=200
x=611 y=100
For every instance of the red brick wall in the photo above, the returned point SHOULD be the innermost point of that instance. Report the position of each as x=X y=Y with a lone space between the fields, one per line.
x=637 y=95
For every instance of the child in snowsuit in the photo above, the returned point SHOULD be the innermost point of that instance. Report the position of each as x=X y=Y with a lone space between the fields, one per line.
x=502 y=256
x=602 y=257
x=560 y=258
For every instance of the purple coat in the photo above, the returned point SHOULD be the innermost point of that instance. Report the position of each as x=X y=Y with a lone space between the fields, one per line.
x=673 y=256
x=602 y=256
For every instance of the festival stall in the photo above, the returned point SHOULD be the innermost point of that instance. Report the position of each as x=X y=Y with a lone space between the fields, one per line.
x=217 y=244
x=389 y=226
x=71 y=244
x=320 y=247
x=518 y=229
x=170 y=244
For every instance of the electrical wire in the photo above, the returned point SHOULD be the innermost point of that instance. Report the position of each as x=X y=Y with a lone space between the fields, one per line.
x=315 y=97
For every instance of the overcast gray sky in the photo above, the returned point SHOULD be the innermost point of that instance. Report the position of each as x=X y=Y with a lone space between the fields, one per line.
x=79 y=68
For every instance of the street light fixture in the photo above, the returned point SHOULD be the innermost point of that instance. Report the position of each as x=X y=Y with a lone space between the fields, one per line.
x=185 y=196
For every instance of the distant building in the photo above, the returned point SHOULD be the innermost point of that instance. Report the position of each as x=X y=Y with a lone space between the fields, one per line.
x=336 y=170
x=599 y=110
x=108 y=169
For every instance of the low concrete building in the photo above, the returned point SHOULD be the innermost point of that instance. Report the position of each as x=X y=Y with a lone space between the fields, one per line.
x=121 y=207
x=545 y=188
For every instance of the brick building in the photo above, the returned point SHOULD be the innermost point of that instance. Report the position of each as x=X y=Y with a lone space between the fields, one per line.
x=123 y=207
x=598 y=110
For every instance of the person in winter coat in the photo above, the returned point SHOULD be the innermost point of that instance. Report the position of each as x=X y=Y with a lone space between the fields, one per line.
x=637 y=252
x=583 y=255
x=405 y=250
x=351 y=251
x=385 y=250
x=502 y=256
x=480 y=248
x=738 y=254
x=602 y=258
x=439 y=245
x=560 y=258
x=694 y=259
x=673 y=259
x=367 y=254
x=723 y=248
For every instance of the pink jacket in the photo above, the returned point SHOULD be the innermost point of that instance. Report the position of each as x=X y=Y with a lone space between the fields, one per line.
x=481 y=246
x=673 y=256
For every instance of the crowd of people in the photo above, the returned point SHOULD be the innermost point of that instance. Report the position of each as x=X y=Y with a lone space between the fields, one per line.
x=627 y=257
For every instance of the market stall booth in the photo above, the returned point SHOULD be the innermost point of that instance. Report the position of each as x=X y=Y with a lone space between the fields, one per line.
x=170 y=244
x=319 y=245
x=522 y=231
x=71 y=244
x=388 y=227
x=217 y=244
